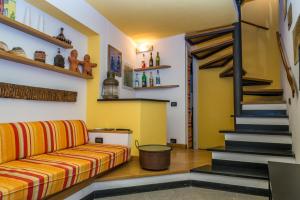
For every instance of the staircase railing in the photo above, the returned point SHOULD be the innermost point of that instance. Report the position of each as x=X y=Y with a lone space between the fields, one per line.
x=287 y=67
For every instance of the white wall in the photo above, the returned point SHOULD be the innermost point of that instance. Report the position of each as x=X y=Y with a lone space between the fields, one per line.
x=10 y=72
x=294 y=108
x=172 y=52
x=109 y=34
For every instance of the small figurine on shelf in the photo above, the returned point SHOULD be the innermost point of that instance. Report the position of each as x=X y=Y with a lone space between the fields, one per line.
x=40 y=56
x=74 y=62
x=62 y=37
x=87 y=65
x=59 y=60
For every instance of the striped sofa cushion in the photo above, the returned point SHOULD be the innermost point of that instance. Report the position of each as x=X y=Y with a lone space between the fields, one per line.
x=25 y=139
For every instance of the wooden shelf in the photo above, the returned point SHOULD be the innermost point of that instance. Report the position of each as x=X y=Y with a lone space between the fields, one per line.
x=157 y=87
x=18 y=59
x=31 y=31
x=152 y=68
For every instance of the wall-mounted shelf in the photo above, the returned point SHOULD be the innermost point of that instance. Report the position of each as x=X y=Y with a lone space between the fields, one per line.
x=157 y=87
x=31 y=31
x=152 y=68
x=18 y=59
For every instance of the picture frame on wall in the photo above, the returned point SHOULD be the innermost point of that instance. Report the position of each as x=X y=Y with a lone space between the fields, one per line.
x=290 y=16
x=114 y=60
x=296 y=41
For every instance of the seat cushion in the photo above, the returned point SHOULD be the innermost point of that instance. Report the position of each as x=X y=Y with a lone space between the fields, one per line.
x=42 y=175
x=25 y=139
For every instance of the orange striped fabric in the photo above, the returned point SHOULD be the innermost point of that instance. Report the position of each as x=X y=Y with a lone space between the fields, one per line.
x=42 y=175
x=25 y=139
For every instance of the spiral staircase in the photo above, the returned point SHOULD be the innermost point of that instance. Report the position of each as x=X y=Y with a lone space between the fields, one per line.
x=261 y=132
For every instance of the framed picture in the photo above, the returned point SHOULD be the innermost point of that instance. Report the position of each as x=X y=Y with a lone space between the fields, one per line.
x=296 y=41
x=128 y=76
x=114 y=60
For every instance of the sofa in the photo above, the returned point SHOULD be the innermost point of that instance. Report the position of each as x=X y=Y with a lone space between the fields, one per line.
x=38 y=159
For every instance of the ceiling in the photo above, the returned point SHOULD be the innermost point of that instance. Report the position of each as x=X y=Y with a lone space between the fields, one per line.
x=152 y=19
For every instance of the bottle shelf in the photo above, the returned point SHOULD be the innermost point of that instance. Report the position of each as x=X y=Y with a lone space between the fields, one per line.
x=157 y=87
x=152 y=68
x=31 y=31
x=29 y=62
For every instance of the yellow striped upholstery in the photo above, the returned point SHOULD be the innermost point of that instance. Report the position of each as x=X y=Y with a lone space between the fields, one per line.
x=38 y=159
x=42 y=175
x=25 y=139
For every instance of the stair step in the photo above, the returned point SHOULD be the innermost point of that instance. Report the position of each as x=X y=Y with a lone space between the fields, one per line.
x=251 y=150
x=229 y=73
x=264 y=107
x=205 y=52
x=232 y=171
x=258 y=145
x=258 y=132
x=203 y=36
x=218 y=62
x=267 y=128
x=238 y=164
x=265 y=92
x=263 y=102
x=262 y=120
x=249 y=81
x=264 y=113
x=273 y=139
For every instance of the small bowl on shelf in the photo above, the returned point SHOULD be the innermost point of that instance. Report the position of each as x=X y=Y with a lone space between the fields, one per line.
x=18 y=51
x=3 y=46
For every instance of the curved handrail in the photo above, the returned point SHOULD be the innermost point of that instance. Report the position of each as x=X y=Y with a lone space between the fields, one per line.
x=287 y=67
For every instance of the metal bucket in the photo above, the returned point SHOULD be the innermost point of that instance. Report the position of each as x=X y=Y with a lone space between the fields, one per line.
x=154 y=157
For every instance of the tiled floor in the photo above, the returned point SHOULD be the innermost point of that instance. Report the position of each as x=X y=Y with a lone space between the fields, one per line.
x=189 y=193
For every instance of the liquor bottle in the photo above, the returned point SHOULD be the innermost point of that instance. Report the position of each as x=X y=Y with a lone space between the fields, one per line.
x=144 y=80
x=157 y=59
x=143 y=62
x=151 y=60
x=137 y=82
x=157 y=79
x=151 y=81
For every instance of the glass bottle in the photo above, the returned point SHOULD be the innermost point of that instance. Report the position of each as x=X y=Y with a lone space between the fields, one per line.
x=151 y=60
x=137 y=82
x=143 y=62
x=144 y=80
x=151 y=80
x=157 y=79
x=157 y=59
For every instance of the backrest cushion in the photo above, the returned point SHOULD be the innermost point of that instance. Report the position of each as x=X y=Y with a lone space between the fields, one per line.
x=25 y=139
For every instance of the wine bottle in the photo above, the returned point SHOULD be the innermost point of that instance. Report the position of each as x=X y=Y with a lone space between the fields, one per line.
x=157 y=79
x=137 y=82
x=144 y=80
x=151 y=81
x=143 y=62
x=151 y=60
x=157 y=59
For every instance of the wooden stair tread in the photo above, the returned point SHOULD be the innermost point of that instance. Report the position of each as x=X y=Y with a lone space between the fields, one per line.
x=257 y=132
x=229 y=73
x=213 y=46
x=225 y=58
x=250 y=81
x=264 y=92
x=209 y=32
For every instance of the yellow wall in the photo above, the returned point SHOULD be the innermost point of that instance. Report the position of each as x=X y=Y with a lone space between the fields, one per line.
x=260 y=60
